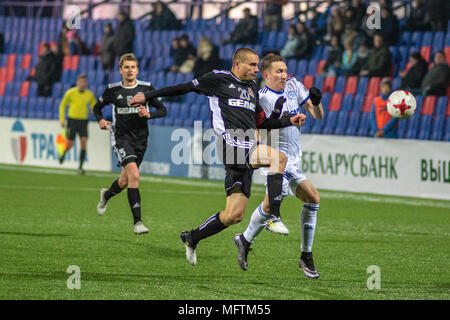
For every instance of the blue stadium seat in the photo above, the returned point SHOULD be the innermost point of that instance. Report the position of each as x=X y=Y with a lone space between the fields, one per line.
x=438 y=40
x=424 y=127
x=194 y=112
x=184 y=111
x=188 y=123
x=23 y=107
x=292 y=66
x=168 y=122
x=347 y=102
x=32 y=108
x=175 y=111
x=416 y=39
x=427 y=39
x=178 y=122
x=362 y=85
x=302 y=68
x=396 y=84
x=6 y=110
x=40 y=109
x=158 y=122
x=15 y=107
x=341 y=125
x=358 y=102
x=330 y=123
x=318 y=81
x=446 y=135
x=364 y=125
x=353 y=122
x=405 y=38
x=340 y=84
x=312 y=67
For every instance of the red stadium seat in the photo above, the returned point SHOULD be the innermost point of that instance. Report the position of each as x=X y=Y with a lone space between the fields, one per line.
x=428 y=105
x=447 y=54
x=335 y=103
x=41 y=46
x=373 y=88
x=447 y=113
x=3 y=74
x=426 y=53
x=10 y=74
x=11 y=62
x=351 y=85
x=24 y=89
x=66 y=62
x=308 y=81
x=2 y=88
x=367 y=107
x=321 y=65
x=328 y=84
x=26 y=61
x=74 y=62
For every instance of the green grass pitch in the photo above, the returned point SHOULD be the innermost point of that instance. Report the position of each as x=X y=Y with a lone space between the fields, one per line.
x=48 y=221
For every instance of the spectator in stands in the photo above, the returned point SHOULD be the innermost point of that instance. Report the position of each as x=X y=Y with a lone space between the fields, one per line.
x=45 y=72
x=381 y=122
x=361 y=60
x=389 y=26
x=360 y=11
x=246 y=30
x=367 y=31
x=335 y=24
x=437 y=79
x=76 y=45
x=289 y=49
x=351 y=32
x=413 y=77
x=59 y=59
x=63 y=42
x=305 y=41
x=163 y=18
x=350 y=19
x=334 y=58
x=123 y=41
x=207 y=57
x=273 y=17
x=349 y=57
x=320 y=20
x=107 y=48
x=184 y=56
x=379 y=62
x=438 y=12
x=418 y=19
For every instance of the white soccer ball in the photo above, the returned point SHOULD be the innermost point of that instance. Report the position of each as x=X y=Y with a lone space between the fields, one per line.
x=401 y=104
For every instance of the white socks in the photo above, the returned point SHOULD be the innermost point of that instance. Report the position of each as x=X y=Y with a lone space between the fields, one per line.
x=257 y=223
x=308 y=225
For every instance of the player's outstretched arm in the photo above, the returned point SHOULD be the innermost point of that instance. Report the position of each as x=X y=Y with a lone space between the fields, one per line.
x=277 y=120
x=160 y=111
x=175 y=90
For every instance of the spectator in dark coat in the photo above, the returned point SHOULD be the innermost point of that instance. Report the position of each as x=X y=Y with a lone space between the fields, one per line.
x=45 y=72
x=123 y=41
x=360 y=11
x=389 y=26
x=305 y=41
x=207 y=58
x=273 y=15
x=437 y=79
x=334 y=58
x=107 y=48
x=361 y=60
x=413 y=77
x=438 y=11
x=246 y=30
x=185 y=51
x=163 y=18
x=379 y=62
x=418 y=18
x=289 y=49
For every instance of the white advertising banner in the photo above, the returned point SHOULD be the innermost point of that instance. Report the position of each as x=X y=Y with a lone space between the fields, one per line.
x=414 y=168
x=33 y=142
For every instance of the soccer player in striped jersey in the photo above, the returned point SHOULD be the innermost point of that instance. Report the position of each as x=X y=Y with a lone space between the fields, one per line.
x=129 y=134
x=278 y=84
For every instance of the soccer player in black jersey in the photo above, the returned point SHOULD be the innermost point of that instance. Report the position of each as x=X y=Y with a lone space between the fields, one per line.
x=129 y=134
x=235 y=115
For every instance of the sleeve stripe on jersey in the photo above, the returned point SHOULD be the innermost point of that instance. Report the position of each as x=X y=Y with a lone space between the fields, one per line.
x=304 y=101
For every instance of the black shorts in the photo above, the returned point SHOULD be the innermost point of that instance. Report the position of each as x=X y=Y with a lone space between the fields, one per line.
x=236 y=158
x=75 y=126
x=130 y=150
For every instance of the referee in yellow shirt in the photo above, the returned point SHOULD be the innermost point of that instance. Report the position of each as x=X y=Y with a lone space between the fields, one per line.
x=78 y=99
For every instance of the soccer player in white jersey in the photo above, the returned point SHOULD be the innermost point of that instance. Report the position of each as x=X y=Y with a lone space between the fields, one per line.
x=278 y=84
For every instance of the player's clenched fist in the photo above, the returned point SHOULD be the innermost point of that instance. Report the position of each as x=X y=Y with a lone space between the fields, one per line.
x=138 y=99
x=143 y=112
x=104 y=125
x=298 y=119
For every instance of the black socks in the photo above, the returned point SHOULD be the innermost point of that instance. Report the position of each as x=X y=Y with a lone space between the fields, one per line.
x=113 y=190
x=274 y=189
x=134 y=199
x=211 y=226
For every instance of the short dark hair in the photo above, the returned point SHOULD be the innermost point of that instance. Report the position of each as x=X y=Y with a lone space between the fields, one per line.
x=82 y=76
x=269 y=59
x=241 y=54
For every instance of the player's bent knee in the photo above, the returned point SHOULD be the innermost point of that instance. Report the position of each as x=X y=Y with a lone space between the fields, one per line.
x=230 y=218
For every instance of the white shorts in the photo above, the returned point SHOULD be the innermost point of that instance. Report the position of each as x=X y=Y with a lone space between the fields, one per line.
x=292 y=177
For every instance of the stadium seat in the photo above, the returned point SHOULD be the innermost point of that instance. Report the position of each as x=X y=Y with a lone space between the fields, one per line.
x=318 y=81
x=2 y=88
x=24 y=89
x=321 y=64
x=341 y=124
x=364 y=125
x=301 y=68
x=194 y=112
x=184 y=111
x=188 y=123
x=308 y=81
x=6 y=110
x=428 y=105
x=373 y=86
x=425 y=126
x=335 y=102
x=340 y=84
x=446 y=134
x=347 y=102
x=23 y=107
x=15 y=107
x=425 y=52
x=168 y=122
x=312 y=67
x=353 y=121
x=330 y=122
x=328 y=84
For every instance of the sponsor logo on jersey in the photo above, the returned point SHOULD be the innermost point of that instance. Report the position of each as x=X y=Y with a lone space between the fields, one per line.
x=241 y=104
x=291 y=95
x=250 y=92
x=129 y=110
x=232 y=86
x=119 y=97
